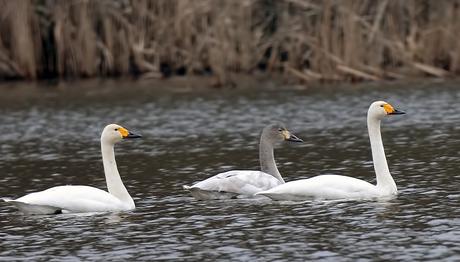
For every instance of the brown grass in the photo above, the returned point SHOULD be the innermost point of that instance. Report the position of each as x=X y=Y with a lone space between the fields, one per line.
x=307 y=40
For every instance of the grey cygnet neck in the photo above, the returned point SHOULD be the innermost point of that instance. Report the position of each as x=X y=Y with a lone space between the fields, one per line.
x=267 y=158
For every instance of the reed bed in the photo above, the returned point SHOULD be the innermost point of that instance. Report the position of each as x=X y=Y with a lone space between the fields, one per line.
x=304 y=40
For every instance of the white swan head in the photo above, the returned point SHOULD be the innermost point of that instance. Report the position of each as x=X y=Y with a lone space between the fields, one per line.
x=381 y=109
x=114 y=133
x=277 y=132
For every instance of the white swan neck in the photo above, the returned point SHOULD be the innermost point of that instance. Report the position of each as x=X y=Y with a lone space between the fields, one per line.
x=114 y=184
x=267 y=160
x=385 y=181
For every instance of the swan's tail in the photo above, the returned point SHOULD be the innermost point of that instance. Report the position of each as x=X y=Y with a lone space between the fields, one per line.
x=30 y=209
x=186 y=187
x=264 y=194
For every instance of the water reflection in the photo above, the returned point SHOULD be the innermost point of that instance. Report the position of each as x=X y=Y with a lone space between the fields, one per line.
x=188 y=137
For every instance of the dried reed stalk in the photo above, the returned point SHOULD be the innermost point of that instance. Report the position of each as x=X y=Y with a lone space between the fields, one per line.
x=310 y=40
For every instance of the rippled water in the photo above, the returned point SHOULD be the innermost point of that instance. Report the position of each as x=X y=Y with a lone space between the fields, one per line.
x=188 y=136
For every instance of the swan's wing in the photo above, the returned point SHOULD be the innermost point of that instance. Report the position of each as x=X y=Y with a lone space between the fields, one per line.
x=33 y=209
x=322 y=187
x=69 y=199
x=242 y=182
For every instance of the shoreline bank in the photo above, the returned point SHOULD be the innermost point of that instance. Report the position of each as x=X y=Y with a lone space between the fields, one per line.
x=96 y=88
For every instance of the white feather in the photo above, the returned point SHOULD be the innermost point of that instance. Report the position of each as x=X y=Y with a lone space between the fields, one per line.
x=233 y=183
x=323 y=187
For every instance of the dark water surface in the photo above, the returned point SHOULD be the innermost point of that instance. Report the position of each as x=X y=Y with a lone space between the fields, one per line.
x=189 y=136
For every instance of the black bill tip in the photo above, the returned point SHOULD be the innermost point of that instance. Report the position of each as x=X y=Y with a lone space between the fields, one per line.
x=397 y=112
x=132 y=135
x=295 y=139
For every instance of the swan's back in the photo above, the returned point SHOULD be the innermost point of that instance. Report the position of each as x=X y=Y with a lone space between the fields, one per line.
x=233 y=183
x=323 y=187
x=69 y=199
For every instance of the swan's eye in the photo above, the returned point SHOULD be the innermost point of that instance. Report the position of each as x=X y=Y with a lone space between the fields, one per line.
x=116 y=129
x=381 y=105
x=280 y=129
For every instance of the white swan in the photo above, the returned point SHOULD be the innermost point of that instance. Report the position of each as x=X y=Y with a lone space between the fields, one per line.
x=343 y=187
x=236 y=183
x=77 y=199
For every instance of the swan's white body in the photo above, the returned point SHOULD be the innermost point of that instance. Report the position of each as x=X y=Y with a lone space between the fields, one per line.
x=324 y=187
x=329 y=187
x=232 y=184
x=77 y=199
x=245 y=183
x=69 y=199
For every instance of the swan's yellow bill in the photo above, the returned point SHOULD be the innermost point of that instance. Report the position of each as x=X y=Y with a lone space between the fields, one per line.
x=388 y=108
x=123 y=131
x=286 y=134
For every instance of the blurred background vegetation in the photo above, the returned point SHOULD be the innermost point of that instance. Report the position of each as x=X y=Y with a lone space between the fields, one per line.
x=305 y=40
